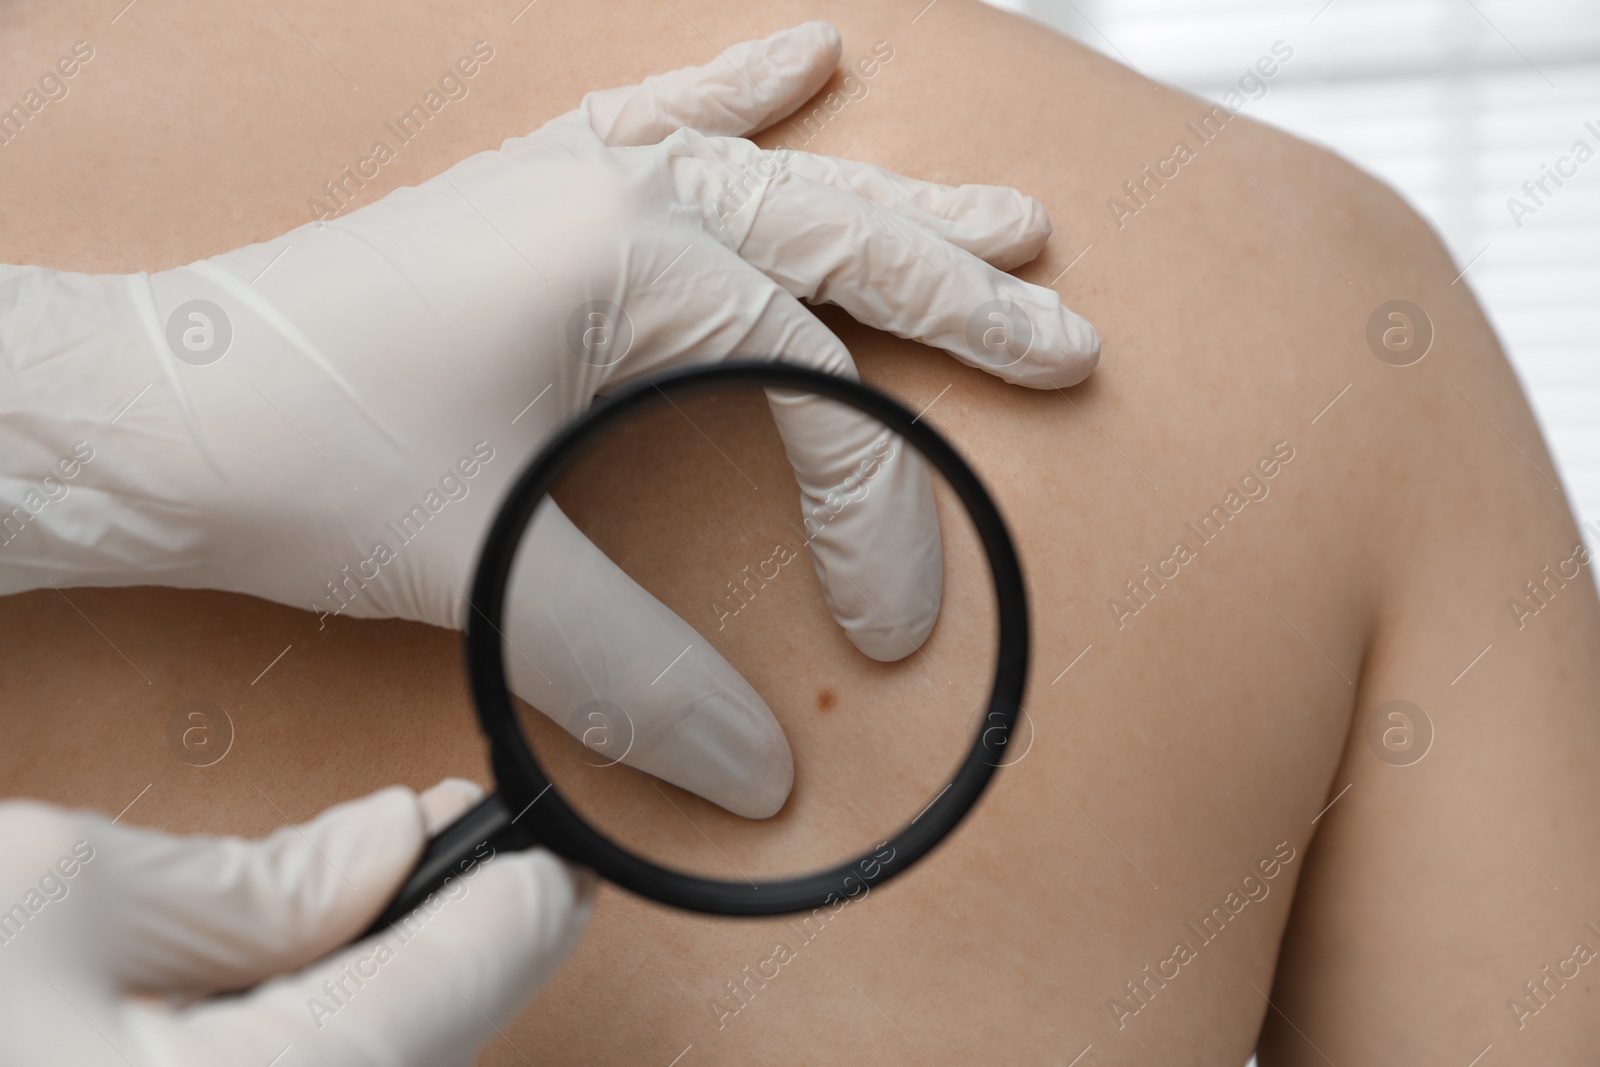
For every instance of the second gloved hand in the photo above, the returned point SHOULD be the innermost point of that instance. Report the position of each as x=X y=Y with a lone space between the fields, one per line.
x=116 y=937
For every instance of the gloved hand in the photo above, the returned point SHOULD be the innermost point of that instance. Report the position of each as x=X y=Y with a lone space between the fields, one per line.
x=329 y=418
x=110 y=933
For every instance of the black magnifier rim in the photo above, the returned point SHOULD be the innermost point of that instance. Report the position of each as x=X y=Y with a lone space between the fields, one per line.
x=555 y=825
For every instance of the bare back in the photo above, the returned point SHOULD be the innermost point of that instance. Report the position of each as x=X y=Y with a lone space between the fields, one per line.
x=1244 y=535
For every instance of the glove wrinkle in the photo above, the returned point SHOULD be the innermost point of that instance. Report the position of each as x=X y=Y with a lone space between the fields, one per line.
x=143 y=299
x=252 y=299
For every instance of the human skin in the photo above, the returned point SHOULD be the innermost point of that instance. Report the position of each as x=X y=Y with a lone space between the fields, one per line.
x=1188 y=744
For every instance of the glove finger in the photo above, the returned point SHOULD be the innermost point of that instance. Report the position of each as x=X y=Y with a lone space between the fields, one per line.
x=616 y=668
x=996 y=223
x=444 y=803
x=201 y=914
x=868 y=517
x=867 y=508
x=829 y=245
x=429 y=991
x=748 y=87
x=49 y=951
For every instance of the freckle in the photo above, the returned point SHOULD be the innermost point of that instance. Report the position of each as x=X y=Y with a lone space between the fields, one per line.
x=827 y=700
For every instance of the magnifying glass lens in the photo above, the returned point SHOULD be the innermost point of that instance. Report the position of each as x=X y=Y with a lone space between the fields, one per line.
x=778 y=652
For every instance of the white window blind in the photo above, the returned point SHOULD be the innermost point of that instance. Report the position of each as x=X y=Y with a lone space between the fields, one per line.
x=1455 y=103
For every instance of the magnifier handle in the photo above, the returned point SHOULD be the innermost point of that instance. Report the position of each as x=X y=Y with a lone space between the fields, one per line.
x=452 y=852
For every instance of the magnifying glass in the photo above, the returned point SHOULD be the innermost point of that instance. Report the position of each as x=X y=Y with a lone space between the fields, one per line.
x=685 y=482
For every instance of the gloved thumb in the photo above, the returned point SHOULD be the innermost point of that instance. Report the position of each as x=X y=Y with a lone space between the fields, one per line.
x=619 y=670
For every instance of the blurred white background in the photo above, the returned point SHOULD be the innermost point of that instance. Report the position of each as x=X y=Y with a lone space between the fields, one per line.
x=1455 y=103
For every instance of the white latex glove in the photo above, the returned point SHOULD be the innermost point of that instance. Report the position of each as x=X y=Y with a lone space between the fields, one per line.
x=112 y=935
x=399 y=364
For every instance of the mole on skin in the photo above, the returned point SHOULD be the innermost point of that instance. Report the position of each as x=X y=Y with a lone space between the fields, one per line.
x=827 y=700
